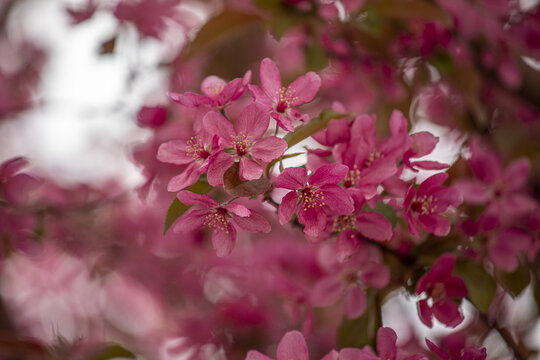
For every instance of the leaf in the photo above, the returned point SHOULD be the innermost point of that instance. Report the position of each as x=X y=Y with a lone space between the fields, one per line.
x=113 y=351
x=108 y=46
x=315 y=125
x=387 y=211
x=480 y=284
x=361 y=331
x=516 y=281
x=176 y=209
x=219 y=28
x=237 y=187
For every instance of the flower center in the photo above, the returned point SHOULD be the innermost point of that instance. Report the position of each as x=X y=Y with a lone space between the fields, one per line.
x=343 y=222
x=438 y=293
x=311 y=198
x=349 y=276
x=217 y=220
x=241 y=144
x=196 y=148
x=286 y=98
x=425 y=206
x=372 y=157
x=352 y=177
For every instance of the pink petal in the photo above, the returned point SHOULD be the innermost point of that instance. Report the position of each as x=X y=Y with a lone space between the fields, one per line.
x=431 y=183
x=337 y=199
x=442 y=268
x=313 y=219
x=448 y=313
x=455 y=287
x=283 y=121
x=188 y=177
x=355 y=302
x=503 y=258
x=174 y=152
x=190 y=221
x=346 y=244
x=232 y=91
x=445 y=197
x=253 y=121
x=373 y=226
x=330 y=174
x=268 y=149
x=287 y=207
x=255 y=355
x=189 y=99
x=260 y=97
x=326 y=291
x=425 y=313
x=429 y=165
x=253 y=223
x=270 y=79
x=12 y=166
x=332 y=355
x=375 y=275
x=292 y=346
x=190 y=198
x=516 y=174
x=473 y=191
x=305 y=88
x=292 y=178
x=435 y=224
x=363 y=129
x=216 y=124
x=398 y=123
x=212 y=86
x=218 y=165
x=249 y=169
x=437 y=350
x=223 y=241
x=386 y=343
x=423 y=143
x=238 y=209
x=337 y=131
x=358 y=354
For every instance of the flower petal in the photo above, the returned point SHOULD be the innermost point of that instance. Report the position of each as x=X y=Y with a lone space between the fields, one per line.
x=255 y=355
x=305 y=88
x=249 y=169
x=238 y=209
x=218 y=165
x=435 y=224
x=253 y=223
x=331 y=174
x=283 y=121
x=313 y=219
x=326 y=291
x=174 y=152
x=270 y=79
x=190 y=221
x=253 y=121
x=355 y=302
x=268 y=149
x=190 y=198
x=223 y=241
x=425 y=313
x=188 y=177
x=373 y=225
x=287 y=207
x=190 y=99
x=216 y=124
x=292 y=178
x=337 y=199
x=292 y=346
x=386 y=343
x=447 y=312
x=430 y=184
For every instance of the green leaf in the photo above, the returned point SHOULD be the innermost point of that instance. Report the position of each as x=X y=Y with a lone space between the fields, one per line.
x=176 y=209
x=218 y=29
x=516 y=281
x=113 y=351
x=237 y=187
x=480 y=284
x=315 y=125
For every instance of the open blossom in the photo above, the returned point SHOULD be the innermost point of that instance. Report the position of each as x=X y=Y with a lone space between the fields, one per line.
x=364 y=269
x=197 y=153
x=280 y=100
x=316 y=194
x=458 y=352
x=440 y=287
x=217 y=92
x=292 y=346
x=222 y=219
x=424 y=206
x=244 y=144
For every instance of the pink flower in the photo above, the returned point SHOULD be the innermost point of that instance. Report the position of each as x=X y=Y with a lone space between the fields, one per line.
x=386 y=347
x=282 y=100
x=459 y=353
x=423 y=207
x=422 y=144
x=244 y=144
x=220 y=218
x=217 y=92
x=292 y=346
x=364 y=269
x=320 y=193
x=197 y=153
x=440 y=287
x=152 y=116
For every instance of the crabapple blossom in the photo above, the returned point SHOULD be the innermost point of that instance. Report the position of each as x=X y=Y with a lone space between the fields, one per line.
x=221 y=218
x=441 y=286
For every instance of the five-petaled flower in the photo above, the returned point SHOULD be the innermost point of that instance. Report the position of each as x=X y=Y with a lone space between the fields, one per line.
x=221 y=218
x=440 y=287
x=245 y=144
x=280 y=100
x=423 y=207
x=316 y=194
